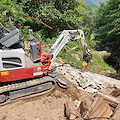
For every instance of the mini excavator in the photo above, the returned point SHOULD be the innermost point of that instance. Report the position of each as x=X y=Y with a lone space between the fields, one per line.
x=23 y=77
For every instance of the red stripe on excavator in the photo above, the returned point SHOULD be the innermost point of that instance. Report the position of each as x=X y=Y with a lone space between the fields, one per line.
x=23 y=73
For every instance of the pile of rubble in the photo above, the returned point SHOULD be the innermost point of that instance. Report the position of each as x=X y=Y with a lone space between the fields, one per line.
x=87 y=81
x=106 y=91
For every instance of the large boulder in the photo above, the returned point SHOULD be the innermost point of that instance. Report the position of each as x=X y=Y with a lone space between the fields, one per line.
x=103 y=54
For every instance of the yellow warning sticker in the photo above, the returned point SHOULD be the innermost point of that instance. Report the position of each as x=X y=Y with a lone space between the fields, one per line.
x=39 y=87
x=39 y=69
x=4 y=73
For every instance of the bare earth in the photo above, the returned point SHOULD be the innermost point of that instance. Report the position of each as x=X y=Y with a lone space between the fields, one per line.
x=46 y=107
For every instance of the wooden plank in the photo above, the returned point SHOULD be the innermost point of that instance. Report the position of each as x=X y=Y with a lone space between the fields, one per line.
x=99 y=108
x=117 y=113
x=111 y=100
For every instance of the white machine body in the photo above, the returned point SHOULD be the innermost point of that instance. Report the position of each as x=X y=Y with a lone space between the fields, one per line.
x=12 y=59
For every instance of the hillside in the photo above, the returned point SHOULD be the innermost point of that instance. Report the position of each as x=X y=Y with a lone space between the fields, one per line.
x=93 y=2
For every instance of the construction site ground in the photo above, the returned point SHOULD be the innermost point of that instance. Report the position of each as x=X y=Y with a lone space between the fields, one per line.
x=46 y=107
x=50 y=106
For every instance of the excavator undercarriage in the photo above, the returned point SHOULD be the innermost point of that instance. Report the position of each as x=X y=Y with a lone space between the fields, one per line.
x=22 y=90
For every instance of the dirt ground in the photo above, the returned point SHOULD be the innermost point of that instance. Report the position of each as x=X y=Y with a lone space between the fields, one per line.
x=46 y=107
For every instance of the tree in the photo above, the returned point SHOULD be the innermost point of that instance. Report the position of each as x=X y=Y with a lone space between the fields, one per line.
x=62 y=14
x=108 y=27
x=9 y=9
x=89 y=13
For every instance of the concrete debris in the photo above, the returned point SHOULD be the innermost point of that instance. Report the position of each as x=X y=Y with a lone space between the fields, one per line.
x=89 y=82
x=91 y=90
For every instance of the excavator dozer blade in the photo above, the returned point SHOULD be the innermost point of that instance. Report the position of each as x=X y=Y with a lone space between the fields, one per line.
x=59 y=79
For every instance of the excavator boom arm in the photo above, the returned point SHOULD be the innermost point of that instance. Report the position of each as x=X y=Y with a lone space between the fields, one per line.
x=66 y=36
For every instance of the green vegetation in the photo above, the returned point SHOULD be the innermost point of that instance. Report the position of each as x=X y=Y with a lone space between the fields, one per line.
x=89 y=14
x=108 y=29
x=97 y=64
x=68 y=14
x=9 y=9
x=108 y=24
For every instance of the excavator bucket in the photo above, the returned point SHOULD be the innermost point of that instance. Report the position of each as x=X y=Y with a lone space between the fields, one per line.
x=84 y=65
